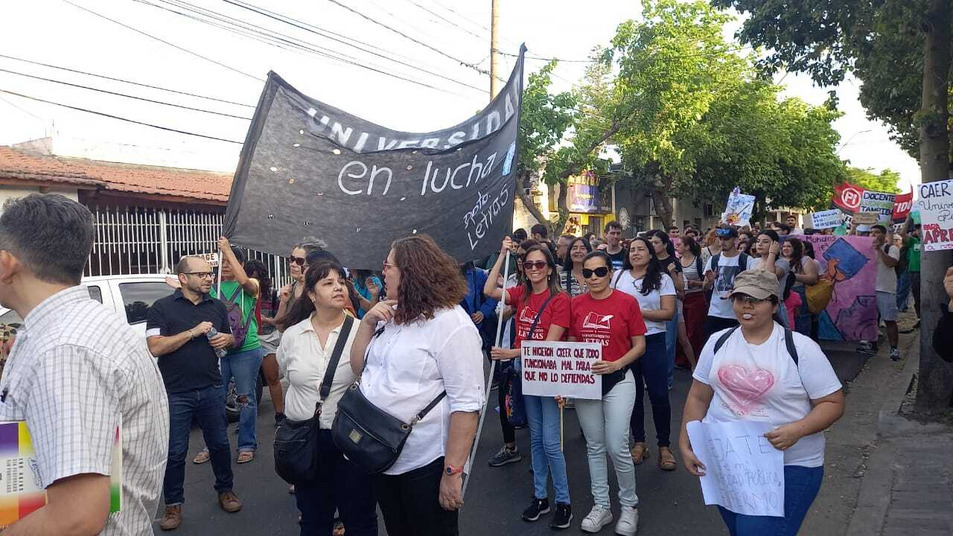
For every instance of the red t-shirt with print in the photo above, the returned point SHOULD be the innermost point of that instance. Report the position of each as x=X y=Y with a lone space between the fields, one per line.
x=611 y=322
x=556 y=312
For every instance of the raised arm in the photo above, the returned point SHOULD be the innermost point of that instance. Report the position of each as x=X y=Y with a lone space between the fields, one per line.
x=248 y=284
x=490 y=288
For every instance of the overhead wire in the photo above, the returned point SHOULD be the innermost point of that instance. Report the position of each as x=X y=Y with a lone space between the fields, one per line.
x=119 y=118
x=118 y=94
x=441 y=17
x=24 y=111
x=163 y=41
x=95 y=75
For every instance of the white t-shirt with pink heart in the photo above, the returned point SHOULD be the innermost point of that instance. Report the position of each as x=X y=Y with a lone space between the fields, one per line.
x=762 y=383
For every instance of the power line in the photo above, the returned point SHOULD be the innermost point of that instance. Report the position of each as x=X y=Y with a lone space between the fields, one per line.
x=446 y=20
x=421 y=43
x=118 y=118
x=272 y=38
x=323 y=33
x=24 y=111
x=116 y=93
x=196 y=54
x=125 y=81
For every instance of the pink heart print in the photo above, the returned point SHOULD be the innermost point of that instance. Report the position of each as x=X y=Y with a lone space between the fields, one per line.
x=746 y=388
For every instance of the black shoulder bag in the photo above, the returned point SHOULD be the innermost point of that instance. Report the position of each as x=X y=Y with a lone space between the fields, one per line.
x=296 y=442
x=368 y=436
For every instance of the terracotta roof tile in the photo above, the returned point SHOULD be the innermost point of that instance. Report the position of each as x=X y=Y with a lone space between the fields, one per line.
x=116 y=177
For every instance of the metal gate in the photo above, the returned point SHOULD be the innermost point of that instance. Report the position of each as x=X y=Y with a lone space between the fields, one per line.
x=150 y=241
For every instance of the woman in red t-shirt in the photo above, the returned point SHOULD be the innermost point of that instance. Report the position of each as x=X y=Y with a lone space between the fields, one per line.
x=613 y=319
x=542 y=313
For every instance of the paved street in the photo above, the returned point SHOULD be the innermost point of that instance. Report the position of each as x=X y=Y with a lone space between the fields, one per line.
x=670 y=502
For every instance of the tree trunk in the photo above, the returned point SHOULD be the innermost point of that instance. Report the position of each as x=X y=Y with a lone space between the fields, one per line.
x=522 y=184
x=663 y=207
x=935 y=384
x=562 y=205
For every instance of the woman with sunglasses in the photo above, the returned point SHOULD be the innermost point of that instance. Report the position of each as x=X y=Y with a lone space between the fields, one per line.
x=802 y=399
x=643 y=279
x=613 y=320
x=572 y=279
x=542 y=313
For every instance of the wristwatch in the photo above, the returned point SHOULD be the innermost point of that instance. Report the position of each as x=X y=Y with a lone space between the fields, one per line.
x=450 y=470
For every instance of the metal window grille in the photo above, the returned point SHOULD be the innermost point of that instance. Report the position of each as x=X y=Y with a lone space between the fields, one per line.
x=139 y=240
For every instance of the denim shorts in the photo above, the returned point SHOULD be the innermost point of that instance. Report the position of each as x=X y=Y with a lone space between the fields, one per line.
x=887 y=306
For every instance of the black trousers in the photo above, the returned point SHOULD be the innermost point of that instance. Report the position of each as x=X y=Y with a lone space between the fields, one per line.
x=509 y=431
x=340 y=485
x=410 y=503
x=714 y=324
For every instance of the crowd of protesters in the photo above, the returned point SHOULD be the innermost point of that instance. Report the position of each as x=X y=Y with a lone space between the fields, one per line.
x=406 y=347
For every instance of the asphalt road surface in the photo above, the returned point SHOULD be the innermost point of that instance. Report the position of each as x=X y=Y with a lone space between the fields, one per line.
x=670 y=502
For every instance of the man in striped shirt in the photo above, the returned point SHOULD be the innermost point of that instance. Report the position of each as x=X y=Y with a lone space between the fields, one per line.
x=77 y=372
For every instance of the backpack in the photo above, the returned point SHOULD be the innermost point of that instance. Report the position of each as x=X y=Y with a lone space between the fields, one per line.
x=742 y=261
x=788 y=342
x=233 y=309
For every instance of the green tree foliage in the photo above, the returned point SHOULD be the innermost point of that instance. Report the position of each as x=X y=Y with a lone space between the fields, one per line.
x=885 y=181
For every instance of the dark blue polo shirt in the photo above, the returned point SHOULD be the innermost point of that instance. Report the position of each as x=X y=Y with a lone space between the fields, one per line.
x=193 y=366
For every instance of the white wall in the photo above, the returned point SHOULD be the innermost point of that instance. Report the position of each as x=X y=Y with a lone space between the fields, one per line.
x=10 y=192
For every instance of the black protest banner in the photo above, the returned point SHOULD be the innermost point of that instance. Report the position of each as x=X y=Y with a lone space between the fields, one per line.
x=309 y=169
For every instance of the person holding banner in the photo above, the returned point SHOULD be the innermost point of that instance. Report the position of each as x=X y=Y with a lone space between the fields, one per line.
x=762 y=372
x=542 y=313
x=422 y=350
x=644 y=279
x=612 y=319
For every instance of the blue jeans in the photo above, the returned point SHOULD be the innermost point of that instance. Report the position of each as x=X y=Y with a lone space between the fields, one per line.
x=207 y=406
x=243 y=366
x=651 y=370
x=801 y=485
x=903 y=290
x=543 y=415
x=671 y=339
x=340 y=485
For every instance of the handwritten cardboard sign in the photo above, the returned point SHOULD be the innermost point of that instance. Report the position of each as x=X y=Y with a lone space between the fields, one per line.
x=744 y=472
x=865 y=218
x=827 y=219
x=558 y=368
x=936 y=213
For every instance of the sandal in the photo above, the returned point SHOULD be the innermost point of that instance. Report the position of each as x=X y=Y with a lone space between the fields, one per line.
x=246 y=456
x=666 y=460
x=639 y=452
x=201 y=457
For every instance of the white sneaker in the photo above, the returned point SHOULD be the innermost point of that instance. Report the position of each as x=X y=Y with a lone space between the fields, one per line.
x=598 y=517
x=628 y=521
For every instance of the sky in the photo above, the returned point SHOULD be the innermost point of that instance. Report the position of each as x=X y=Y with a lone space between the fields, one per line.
x=442 y=47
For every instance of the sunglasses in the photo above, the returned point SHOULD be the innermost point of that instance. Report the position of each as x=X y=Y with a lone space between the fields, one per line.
x=297 y=260
x=602 y=271
x=724 y=233
x=200 y=275
x=536 y=265
x=749 y=300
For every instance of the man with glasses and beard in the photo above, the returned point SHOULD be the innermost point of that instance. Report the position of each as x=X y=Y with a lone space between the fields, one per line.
x=177 y=331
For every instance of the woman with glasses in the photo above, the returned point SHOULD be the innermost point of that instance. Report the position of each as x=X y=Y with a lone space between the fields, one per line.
x=802 y=399
x=572 y=279
x=613 y=320
x=643 y=279
x=542 y=313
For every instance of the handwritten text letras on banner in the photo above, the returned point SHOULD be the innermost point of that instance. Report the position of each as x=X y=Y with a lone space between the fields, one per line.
x=559 y=368
x=936 y=213
x=744 y=472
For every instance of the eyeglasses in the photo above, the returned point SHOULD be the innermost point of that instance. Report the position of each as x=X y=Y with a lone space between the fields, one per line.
x=601 y=271
x=535 y=265
x=389 y=265
x=749 y=300
x=200 y=275
x=297 y=260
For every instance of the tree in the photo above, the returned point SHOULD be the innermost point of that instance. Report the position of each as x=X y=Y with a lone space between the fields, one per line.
x=886 y=181
x=878 y=40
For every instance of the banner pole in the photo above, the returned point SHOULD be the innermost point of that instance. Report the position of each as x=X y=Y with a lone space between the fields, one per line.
x=468 y=467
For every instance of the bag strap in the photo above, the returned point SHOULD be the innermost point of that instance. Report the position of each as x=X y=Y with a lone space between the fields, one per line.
x=788 y=342
x=723 y=339
x=336 y=357
x=538 y=315
x=698 y=267
x=423 y=413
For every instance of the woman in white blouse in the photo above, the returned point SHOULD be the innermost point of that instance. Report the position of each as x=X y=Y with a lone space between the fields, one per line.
x=642 y=277
x=311 y=328
x=418 y=344
x=764 y=373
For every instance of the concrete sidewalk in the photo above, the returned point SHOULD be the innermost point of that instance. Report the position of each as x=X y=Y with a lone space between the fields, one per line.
x=885 y=474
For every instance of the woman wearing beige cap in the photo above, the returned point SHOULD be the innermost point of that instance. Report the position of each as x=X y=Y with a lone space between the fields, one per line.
x=763 y=372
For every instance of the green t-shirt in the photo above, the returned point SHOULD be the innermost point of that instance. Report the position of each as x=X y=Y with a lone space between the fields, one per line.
x=247 y=303
x=913 y=253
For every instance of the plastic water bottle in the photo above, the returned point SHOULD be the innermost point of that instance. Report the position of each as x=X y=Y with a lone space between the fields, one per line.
x=211 y=334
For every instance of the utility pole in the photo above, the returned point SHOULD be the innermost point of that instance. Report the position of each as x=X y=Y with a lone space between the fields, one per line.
x=494 y=83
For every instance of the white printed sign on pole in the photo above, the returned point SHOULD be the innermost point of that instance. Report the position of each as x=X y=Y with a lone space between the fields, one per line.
x=827 y=219
x=211 y=258
x=558 y=368
x=744 y=472
x=936 y=215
